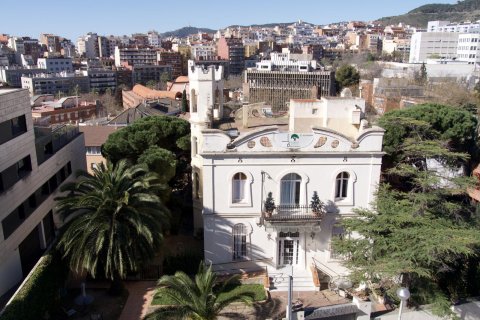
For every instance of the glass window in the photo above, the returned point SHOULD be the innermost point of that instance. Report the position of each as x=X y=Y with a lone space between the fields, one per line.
x=239 y=183
x=341 y=186
x=239 y=242
x=290 y=189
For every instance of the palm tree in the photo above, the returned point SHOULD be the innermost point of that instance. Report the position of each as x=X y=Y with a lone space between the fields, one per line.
x=115 y=220
x=197 y=299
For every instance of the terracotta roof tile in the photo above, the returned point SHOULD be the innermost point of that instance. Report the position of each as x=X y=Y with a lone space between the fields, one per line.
x=148 y=93
x=95 y=136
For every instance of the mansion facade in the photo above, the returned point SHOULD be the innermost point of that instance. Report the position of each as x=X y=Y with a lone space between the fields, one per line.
x=255 y=173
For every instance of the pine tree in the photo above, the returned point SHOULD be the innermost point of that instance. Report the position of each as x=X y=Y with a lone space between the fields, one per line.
x=423 y=229
x=184 y=101
x=423 y=73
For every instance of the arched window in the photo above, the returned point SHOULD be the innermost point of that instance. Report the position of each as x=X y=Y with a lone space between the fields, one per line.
x=193 y=100
x=290 y=189
x=341 y=185
x=239 y=242
x=196 y=183
x=239 y=184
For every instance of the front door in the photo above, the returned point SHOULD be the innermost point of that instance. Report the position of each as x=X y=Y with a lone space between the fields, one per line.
x=288 y=249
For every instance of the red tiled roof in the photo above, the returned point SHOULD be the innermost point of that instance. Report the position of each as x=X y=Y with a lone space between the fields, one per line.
x=148 y=93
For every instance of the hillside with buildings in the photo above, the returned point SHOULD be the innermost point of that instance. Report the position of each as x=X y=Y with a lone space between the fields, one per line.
x=186 y=31
x=461 y=11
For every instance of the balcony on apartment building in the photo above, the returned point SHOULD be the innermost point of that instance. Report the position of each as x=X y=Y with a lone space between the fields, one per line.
x=50 y=139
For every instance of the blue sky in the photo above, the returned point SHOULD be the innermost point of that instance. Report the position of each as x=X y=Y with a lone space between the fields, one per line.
x=70 y=18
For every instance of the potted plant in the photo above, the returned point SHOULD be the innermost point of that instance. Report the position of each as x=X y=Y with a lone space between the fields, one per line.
x=317 y=205
x=269 y=204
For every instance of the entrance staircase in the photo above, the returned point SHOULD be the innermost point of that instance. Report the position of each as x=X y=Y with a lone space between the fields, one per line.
x=302 y=279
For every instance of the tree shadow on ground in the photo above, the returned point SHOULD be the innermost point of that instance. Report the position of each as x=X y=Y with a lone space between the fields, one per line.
x=270 y=309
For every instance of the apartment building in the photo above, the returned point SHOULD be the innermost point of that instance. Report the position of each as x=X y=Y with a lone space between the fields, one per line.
x=287 y=76
x=145 y=73
x=203 y=52
x=95 y=137
x=459 y=27
x=232 y=49
x=65 y=110
x=173 y=59
x=55 y=64
x=469 y=48
x=87 y=45
x=426 y=45
x=134 y=56
x=51 y=41
x=320 y=146
x=34 y=162
x=53 y=83
x=154 y=39
x=102 y=79
x=12 y=75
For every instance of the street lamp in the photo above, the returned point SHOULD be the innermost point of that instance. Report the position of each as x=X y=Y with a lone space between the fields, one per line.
x=403 y=294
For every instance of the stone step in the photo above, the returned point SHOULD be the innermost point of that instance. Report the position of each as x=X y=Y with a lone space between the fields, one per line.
x=302 y=281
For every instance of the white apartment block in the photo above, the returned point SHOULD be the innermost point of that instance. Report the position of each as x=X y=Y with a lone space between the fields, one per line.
x=33 y=165
x=427 y=45
x=288 y=62
x=396 y=45
x=469 y=48
x=55 y=65
x=203 y=52
x=154 y=39
x=447 y=26
x=323 y=146
x=88 y=45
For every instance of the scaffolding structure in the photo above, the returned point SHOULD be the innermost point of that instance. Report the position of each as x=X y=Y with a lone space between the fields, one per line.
x=276 y=88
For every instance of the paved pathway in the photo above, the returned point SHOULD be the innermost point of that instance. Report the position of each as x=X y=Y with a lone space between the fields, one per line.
x=140 y=295
x=275 y=307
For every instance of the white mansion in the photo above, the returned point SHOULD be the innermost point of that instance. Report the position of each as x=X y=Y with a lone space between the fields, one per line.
x=240 y=156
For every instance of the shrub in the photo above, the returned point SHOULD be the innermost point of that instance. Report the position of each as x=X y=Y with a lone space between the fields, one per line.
x=40 y=294
x=187 y=262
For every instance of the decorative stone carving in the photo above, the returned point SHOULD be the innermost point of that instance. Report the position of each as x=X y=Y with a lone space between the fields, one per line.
x=321 y=141
x=251 y=144
x=264 y=141
x=335 y=143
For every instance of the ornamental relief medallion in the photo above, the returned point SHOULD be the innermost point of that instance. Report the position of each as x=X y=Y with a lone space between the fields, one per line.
x=321 y=141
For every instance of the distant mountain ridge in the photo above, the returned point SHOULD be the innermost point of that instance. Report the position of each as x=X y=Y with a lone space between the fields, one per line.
x=186 y=31
x=458 y=12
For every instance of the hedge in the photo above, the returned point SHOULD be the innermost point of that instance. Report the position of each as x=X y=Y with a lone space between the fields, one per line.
x=40 y=294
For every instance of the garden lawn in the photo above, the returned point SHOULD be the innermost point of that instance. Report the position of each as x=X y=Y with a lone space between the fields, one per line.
x=258 y=289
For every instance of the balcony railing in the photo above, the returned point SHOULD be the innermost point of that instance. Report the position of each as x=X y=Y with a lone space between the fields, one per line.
x=48 y=140
x=285 y=213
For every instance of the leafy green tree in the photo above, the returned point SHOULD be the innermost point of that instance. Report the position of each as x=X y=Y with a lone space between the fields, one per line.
x=184 y=101
x=346 y=76
x=116 y=220
x=422 y=229
x=152 y=84
x=454 y=126
x=165 y=76
x=160 y=142
x=197 y=299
